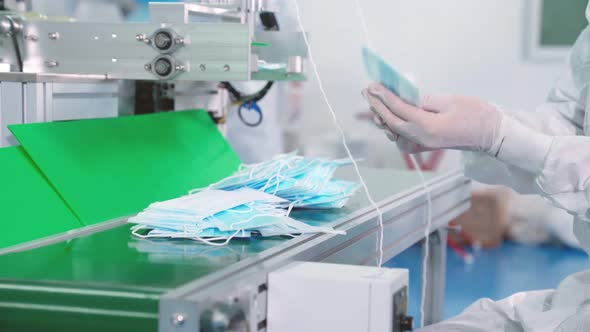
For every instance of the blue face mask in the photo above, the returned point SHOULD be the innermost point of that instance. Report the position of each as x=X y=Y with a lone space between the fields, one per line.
x=335 y=195
x=207 y=218
x=305 y=182
x=256 y=199
x=252 y=216
x=381 y=72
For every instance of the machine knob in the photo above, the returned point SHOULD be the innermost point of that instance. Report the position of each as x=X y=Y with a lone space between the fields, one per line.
x=163 y=67
x=406 y=323
x=163 y=40
x=224 y=317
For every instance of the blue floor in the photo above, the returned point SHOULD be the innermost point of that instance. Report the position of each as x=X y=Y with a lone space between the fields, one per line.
x=495 y=273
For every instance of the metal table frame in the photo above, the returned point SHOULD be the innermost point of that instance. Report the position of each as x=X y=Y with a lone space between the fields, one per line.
x=244 y=284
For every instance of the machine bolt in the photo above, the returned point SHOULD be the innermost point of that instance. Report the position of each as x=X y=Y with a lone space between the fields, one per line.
x=53 y=35
x=226 y=68
x=163 y=40
x=179 y=68
x=179 y=41
x=178 y=319
x=202 y=67
x=51 y=64
x=148 y=67
x=33 y=38
x=140 y=37
x=163 y=67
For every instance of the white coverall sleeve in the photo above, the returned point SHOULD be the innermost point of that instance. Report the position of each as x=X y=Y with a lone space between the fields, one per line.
x=543 y=152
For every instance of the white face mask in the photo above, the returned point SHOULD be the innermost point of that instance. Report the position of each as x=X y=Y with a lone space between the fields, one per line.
x=210 y=202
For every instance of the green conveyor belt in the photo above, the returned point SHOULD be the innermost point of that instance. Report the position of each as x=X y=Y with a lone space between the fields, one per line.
x=112 y=281
x=109 y=168
x=29 y=207
x=67 y=175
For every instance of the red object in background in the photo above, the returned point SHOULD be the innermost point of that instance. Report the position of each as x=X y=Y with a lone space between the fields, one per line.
x=460 y=251
x=457 y=248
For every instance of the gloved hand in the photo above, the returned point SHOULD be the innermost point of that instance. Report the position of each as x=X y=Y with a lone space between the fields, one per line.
x=403 y=143
x=443 y=122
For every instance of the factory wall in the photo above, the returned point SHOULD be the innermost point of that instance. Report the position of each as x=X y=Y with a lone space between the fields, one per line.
x=453 y=46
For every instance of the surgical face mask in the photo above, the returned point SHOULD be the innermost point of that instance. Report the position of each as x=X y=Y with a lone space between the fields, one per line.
x=215 y=217
x=207 y=203
x=305 y=182
x=380 y=71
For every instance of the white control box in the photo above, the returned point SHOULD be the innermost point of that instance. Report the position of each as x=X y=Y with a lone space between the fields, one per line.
x=324 y=297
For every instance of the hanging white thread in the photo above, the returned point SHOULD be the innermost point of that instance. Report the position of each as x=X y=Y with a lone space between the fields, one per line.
x=364 y=25
x=426 y=240
x=424 y=184
x=341 y=130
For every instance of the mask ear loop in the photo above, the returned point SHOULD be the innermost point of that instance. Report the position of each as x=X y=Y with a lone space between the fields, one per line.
x=135 y=229
x=276 y=175
x=233 y=210
x=291 y=206
x=266 y=211
x=216 y=244
x=292 y=235
x=314 y=229
x=193 y=235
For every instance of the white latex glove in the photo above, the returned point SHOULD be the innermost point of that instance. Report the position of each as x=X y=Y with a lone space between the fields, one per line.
x=403 y=143
x=443 y=122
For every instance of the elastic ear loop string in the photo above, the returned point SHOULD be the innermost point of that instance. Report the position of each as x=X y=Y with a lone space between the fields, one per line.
x=426 y=239
x=424 y=184
x=341 y=131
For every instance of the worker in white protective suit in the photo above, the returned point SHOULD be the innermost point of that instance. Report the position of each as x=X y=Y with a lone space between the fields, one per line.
x=546 y=152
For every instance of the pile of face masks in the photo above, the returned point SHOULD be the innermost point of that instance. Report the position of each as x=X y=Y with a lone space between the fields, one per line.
x=211 y=216
x=304 y=182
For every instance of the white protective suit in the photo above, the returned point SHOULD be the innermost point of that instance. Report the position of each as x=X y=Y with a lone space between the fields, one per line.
x=552 y=148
